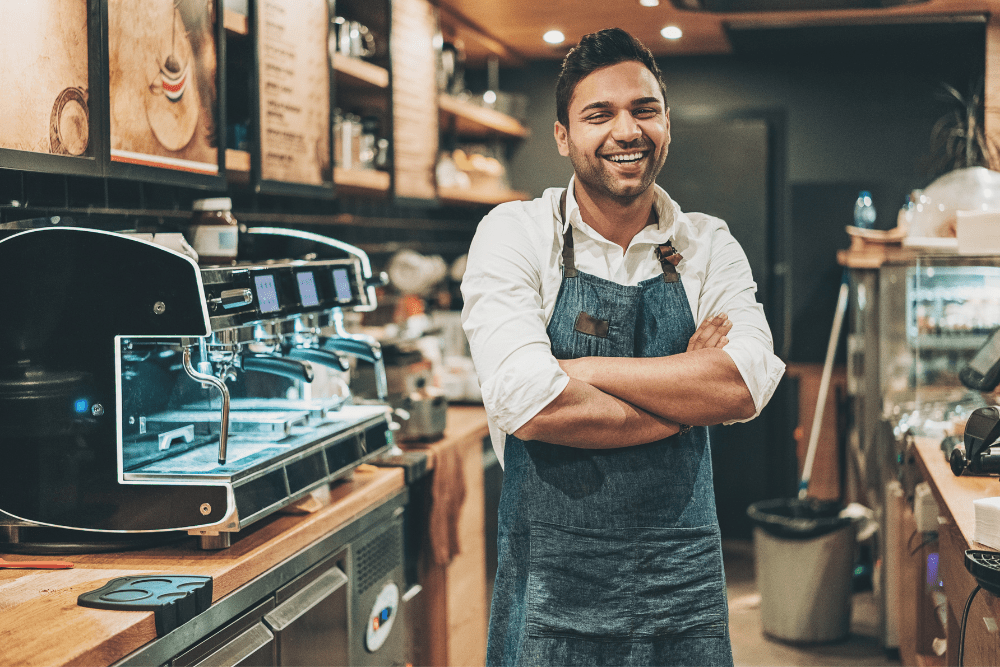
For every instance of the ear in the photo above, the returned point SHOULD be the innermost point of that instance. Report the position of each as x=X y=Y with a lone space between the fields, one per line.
x=667 y=116
x=562 y=138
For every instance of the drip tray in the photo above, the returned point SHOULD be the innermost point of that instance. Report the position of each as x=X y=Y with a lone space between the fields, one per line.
x=270 y=425
x=241 y=454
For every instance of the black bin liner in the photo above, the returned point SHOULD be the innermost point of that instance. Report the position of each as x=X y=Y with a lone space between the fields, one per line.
x=791 y=518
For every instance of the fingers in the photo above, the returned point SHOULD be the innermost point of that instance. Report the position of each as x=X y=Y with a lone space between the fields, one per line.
x=711 y=333
x=705 y=331
x=715 y=340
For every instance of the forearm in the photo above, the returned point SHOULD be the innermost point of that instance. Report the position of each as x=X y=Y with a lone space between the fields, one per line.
x=702 y=387
x=586 y=417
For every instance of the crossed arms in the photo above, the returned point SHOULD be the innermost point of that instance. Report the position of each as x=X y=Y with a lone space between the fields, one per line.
x=615 y=402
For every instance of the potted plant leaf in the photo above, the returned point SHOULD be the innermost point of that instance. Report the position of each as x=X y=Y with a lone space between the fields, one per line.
x=964 y=161
x=959 y=139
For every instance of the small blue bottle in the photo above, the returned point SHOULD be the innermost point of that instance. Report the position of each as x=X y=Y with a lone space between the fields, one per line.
x=864 y=211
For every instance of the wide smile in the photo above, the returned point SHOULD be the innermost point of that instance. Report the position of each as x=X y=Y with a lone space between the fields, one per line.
x=625 y=159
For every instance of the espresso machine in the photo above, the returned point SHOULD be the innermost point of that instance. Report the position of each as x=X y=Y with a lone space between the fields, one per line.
x=143 y=395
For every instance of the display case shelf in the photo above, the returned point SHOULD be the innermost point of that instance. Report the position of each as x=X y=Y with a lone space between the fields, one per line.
x=358 y=73
x=968 y=342
x=470 y=120
x=473 y=196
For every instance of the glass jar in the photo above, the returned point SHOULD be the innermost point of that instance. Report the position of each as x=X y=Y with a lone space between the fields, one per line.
x=213 y=232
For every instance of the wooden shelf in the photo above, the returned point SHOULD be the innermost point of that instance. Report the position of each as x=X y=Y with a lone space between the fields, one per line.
x=359 y=73
x=356 y=181
x=235 y=23
x=237 y=161
x=361 y=181
x=480 y=195
x=476 y=121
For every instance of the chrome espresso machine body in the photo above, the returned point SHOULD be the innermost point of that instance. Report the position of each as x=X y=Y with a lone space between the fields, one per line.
x=141 y=393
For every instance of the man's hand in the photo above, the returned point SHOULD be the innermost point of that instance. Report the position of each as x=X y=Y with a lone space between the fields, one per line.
x=711 y=333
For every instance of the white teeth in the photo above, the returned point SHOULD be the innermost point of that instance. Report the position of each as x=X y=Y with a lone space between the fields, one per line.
x=631 y=157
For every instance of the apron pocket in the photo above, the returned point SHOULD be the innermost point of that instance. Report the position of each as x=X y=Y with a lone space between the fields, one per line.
x=625 y=583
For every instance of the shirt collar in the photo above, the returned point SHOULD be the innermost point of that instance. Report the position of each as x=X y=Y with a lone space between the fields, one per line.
x=666 y=214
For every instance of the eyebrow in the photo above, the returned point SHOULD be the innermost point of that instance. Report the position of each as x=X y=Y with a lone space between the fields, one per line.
x=636 y=102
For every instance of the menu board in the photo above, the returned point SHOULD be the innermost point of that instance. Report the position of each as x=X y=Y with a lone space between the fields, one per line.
x=45 y=77
x=294 y=91
x=162 y=84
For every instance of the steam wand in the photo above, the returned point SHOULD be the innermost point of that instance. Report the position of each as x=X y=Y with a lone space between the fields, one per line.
x=218 y=384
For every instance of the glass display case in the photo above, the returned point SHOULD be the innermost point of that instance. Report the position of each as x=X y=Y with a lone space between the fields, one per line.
x=914 y=322
x=952 y=305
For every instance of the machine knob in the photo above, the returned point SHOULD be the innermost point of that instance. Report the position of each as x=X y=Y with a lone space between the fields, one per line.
x=232 y=298
x=957 y=460
x=381 y=279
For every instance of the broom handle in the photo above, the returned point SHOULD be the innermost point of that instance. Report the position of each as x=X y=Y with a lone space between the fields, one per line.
x=824 y=385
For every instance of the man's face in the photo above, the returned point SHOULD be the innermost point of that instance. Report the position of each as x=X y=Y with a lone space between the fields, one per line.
x=619 y=130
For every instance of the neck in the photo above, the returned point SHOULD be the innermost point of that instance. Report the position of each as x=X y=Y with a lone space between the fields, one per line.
x=616 y=219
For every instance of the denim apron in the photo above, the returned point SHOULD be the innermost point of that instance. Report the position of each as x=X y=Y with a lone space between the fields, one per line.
x=611 y=557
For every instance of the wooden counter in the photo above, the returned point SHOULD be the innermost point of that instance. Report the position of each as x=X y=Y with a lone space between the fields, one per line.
x=956 y=530
x=954 y=495
x=453 y=569
x=41 y=624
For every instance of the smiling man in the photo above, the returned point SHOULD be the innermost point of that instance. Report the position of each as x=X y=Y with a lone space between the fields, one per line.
x=581 y=310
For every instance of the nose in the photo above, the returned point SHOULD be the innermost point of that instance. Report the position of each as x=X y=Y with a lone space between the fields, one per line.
x=625 y=128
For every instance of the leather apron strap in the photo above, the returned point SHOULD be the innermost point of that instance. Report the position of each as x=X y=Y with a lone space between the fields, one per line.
x=569 y=257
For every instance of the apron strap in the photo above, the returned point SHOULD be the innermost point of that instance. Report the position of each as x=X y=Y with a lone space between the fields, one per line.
x=669 y=259
x=569 y=257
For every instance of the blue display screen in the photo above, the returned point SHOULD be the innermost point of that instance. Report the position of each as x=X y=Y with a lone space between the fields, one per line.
x=267 y=294
x=307 y=289
x=342 y=285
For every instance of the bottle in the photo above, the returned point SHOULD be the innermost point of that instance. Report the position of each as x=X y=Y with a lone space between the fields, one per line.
x=864 y=211
x=213 y=231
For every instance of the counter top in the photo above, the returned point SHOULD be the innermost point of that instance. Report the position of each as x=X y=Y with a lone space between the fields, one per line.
x=954 y=495
x=465 y=422
x=41 y=624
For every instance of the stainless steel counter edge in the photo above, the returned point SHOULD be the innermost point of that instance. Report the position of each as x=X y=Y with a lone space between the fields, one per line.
x=161 y=650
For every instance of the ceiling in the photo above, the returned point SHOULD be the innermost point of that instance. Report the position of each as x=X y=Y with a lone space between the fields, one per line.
x=512 y=29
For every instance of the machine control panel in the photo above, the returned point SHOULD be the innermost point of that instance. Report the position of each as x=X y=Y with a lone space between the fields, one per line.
x=242 y=295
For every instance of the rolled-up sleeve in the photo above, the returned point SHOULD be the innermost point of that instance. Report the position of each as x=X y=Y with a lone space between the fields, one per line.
x=729 y=287
x=505 y=321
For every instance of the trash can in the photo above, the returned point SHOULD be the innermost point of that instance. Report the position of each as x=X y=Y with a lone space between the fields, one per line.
x=804 y=560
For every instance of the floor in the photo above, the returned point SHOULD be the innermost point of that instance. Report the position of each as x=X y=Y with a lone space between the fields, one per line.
x=751 y=647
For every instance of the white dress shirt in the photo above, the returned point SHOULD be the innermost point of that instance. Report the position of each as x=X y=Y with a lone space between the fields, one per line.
x=515 y=271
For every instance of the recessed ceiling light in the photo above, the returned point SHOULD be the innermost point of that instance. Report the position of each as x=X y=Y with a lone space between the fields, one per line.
x=649 y=3
x=671 y=32
x=554 y=37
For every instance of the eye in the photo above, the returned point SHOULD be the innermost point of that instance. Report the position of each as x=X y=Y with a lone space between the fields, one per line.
x=598 y=117
x=645 y=112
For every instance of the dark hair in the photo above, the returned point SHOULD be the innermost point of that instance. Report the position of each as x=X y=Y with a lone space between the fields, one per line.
x=596 y=50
